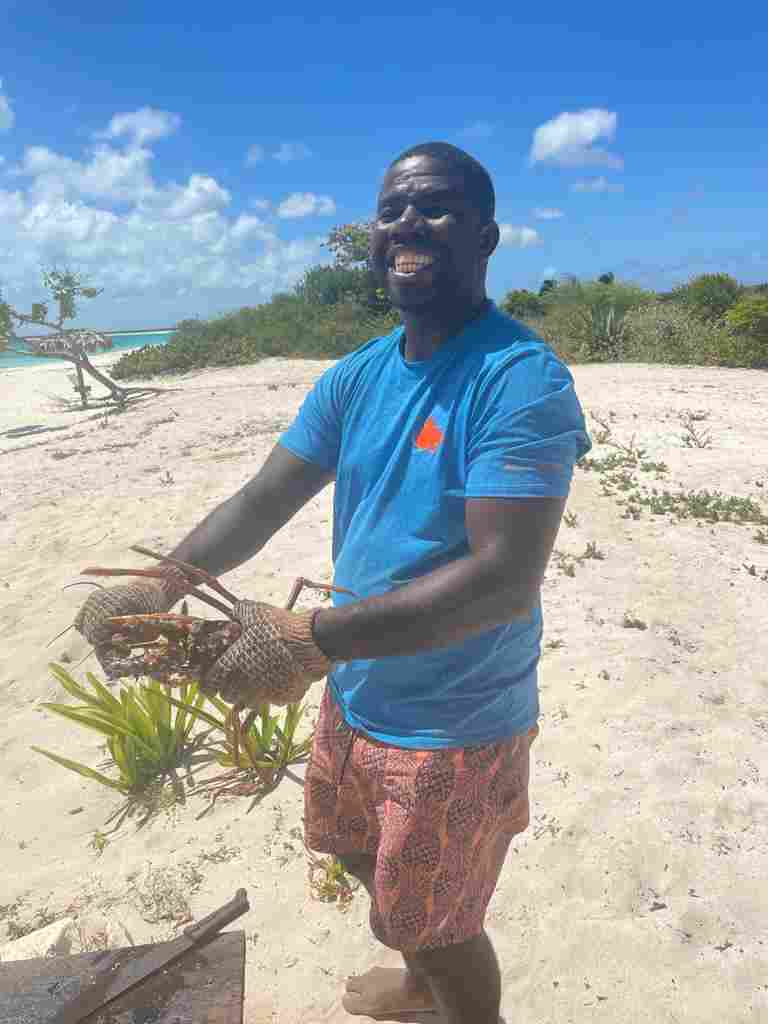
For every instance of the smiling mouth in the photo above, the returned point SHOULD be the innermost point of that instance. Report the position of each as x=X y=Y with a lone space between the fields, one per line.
x=410 y=262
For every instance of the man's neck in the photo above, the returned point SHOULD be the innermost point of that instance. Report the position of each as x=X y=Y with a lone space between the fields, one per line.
x=426 y=331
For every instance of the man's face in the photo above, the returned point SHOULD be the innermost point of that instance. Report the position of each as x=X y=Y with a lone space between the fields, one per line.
x=429 y=244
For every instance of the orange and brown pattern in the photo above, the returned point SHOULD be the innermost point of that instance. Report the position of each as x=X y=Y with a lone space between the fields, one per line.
x=438 y=822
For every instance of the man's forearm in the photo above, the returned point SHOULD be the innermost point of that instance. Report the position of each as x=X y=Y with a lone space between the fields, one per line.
x=239 y=528
x=438 y=610
x=227 y=537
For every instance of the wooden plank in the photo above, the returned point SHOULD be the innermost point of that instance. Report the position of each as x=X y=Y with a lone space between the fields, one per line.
x=207 y=986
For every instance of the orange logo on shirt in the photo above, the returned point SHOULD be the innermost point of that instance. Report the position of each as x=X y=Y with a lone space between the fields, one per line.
x=429 y=437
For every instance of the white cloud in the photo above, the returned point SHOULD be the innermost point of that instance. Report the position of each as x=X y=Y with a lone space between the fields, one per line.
x=479 y=130
x=144 y=253
x=290 y=151
x=547 y=213
x=201 y=194
x=521 y=237
x=596 y=185
x=143 y=125
x=305 y=204
x=260 y=204
x=254 y=155
x=7 y=117
x=164 y=242
x=248 y=226
x=568 y=139
x=108 y=174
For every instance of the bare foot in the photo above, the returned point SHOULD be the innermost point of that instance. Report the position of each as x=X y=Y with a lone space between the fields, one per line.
x=387 y=992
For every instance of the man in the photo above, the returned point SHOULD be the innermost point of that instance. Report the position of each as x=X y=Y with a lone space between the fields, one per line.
x=452 y=443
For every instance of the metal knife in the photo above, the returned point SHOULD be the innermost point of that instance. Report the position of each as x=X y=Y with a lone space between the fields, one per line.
x=119 y=977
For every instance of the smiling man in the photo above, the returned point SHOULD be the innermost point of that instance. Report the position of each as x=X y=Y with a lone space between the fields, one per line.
x=451 y=442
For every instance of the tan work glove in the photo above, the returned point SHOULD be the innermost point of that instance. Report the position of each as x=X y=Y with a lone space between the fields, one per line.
x=275 y=659
x=142 y=597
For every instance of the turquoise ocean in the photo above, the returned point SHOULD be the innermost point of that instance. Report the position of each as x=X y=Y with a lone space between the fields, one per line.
x=121 y=340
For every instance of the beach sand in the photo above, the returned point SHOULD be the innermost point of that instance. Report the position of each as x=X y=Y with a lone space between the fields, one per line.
x=637 y=894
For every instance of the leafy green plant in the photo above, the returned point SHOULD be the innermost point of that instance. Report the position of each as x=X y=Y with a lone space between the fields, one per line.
x=708 y=296
x=145 y=740
x=522 y=304
x=329 y=882
x=266 y=743
x=750 y=316
x=593 y=314
x=670 y=332
x=98 y=842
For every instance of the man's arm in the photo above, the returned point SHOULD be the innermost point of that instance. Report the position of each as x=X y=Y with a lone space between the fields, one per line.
x=241 y=526
x=511 y=540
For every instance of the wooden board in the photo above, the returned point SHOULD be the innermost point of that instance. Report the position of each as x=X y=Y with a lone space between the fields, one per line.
x=207 y=986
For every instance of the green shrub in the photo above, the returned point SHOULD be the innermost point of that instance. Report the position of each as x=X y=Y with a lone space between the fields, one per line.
x=750 y=316
x=590 y=316
x=522 y=304
x=287 y=326
x=665 y=332
x=267 y=743
x=708 y=296
x=326 y=286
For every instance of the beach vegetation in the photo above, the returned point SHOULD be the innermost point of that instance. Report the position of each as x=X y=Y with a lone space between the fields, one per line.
x=712 y=320
x=66 y=288
x=146 y=739
x=522 y=304
x=708 y=296
x=617 y=470
x=255 y=751
x=329 y=881
x=588 y=317
x=349 y=243
x=749 y=315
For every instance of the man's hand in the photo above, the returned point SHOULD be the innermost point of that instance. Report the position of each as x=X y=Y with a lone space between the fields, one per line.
x=275 y=659
x=143 y=597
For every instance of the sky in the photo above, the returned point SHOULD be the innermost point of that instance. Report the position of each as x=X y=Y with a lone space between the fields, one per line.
x=191 y=159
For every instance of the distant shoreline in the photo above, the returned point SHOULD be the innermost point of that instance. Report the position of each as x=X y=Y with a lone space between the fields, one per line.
x=109 y=334
x=145 y=330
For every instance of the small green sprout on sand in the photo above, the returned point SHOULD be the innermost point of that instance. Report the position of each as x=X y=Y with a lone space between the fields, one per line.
x=98 y=842
x=329 y=882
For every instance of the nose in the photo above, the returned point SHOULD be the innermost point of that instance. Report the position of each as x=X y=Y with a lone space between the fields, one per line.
x=411 y=220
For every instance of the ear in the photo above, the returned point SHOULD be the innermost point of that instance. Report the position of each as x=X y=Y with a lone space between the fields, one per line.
x=489 y=239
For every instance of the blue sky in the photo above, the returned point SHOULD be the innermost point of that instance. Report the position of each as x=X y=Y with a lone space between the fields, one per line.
x=191 y=163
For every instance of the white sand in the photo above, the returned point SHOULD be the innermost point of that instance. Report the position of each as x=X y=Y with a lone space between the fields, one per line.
x=639 y=891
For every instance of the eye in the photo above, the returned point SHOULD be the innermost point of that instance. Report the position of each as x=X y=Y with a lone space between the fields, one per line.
x=435 y=212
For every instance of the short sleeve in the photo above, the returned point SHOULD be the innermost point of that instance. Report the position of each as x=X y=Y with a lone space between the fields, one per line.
x=315 y=434
x=526 y=430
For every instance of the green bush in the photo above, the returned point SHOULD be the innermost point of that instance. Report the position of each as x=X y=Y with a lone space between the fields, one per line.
x=326 y=286
x=708 y=296
x=750 y=316
x=585 y=320
x=664 y=332
x=287 y=326
x=522 y=304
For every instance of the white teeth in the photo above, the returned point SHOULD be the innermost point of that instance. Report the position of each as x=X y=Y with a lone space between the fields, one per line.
x=408 y=262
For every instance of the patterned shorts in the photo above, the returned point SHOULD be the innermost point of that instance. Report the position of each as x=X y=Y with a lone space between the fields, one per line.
x=437 y=822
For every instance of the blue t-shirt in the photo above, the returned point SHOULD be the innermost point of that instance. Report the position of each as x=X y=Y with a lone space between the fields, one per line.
x=493 y=413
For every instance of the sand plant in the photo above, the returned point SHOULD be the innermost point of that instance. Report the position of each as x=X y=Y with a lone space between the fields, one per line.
x=329 y=882
x=146 y=739
x=256 y=751
x=617 y=471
